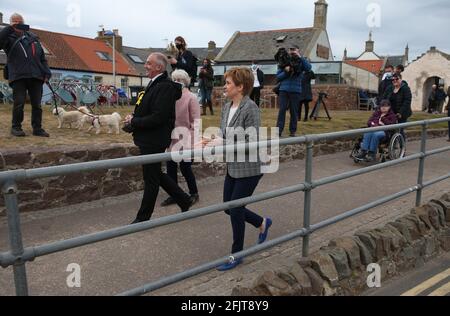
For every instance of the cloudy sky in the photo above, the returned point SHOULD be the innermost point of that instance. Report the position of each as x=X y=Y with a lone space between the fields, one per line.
x=145 y=23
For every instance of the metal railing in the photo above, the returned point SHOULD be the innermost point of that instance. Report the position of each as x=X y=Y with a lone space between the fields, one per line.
x=18 y=256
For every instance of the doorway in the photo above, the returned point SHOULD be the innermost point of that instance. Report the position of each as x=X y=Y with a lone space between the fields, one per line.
x=427 y=88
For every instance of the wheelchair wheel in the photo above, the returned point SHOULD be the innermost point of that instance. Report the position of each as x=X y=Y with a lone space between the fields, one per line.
x=397 y=147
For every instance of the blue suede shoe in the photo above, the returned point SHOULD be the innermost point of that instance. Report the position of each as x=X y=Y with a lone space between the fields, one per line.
x=230 y=265
x=263 y=237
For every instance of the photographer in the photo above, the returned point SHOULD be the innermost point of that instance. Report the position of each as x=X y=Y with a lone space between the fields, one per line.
x=185 y=60
x=26 y=70
x=291 y=67
x=206 y=85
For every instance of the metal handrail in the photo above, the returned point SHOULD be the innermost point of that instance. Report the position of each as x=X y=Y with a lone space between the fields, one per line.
x=19 y=256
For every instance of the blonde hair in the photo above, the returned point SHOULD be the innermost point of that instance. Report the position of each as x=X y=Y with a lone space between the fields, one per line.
x=242 y=76
x=181 y=76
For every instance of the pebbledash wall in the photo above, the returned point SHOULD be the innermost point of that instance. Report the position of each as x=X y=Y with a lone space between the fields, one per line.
x=41 y=194
x=340 y=97
x=340 y=269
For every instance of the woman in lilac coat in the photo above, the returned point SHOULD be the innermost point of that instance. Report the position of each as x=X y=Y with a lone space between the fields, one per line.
x=384 y=116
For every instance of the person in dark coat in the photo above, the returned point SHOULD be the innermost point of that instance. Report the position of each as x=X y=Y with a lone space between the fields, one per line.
x=384 y=116
x=206 y=85
x=386 y=82
x=152 y=124
x=306 y=96
x=440 y=100
x=27 y=70
x=400 y=97
x=184 y=60
x=432 y=103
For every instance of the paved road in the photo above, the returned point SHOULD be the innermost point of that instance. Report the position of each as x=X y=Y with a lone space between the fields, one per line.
x=121 y=264
x=431 y=280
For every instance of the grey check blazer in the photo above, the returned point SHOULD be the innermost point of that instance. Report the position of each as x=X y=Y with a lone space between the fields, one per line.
x=248 y=115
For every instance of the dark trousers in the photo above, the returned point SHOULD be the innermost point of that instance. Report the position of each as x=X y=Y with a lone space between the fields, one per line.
x=153 y=179
x=288 y=101
x=235 y=189
x=256 y=96
x=306 y=104
x=186 y=171
x=34 y=88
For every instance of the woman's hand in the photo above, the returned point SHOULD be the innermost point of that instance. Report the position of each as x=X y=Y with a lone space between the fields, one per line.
x=173 y=61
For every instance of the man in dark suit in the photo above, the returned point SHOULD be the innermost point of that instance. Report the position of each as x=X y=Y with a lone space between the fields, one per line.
x=152 y=125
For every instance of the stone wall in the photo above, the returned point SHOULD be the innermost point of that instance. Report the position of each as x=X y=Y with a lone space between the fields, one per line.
x=340 y=269
x=40 y=194
x=340 y=97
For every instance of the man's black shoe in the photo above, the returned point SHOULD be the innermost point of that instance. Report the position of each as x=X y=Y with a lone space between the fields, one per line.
x=40 y=133
x=18 y=132
x=168 y=202
x=194 y=199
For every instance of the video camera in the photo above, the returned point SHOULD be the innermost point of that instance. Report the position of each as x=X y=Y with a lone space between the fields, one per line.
x=284 y=59
x=323 y=95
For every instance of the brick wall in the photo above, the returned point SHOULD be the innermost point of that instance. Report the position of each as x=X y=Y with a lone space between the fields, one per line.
x=340 y=97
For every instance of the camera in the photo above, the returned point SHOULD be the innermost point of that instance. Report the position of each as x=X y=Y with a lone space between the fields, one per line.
x=128 y=128
x=22 y=27
x=285 y=59
x=323 y=95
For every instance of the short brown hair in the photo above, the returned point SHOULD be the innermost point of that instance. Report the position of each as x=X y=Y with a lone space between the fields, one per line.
x=242 y=76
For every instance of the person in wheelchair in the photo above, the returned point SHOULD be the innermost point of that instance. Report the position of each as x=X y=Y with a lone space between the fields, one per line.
x=371 y=141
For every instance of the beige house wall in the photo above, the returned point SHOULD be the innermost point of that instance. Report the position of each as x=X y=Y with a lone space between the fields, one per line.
x=432 y=64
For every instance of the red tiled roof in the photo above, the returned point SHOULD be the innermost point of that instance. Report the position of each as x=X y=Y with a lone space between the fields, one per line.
x=79 y=54
x=87 y=49
x=373 y=66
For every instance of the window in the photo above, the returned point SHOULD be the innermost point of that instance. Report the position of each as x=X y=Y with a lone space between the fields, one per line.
x=104 y=56
x=98 y=80
x=136 y=59
x=281 y=39
x=124 y=84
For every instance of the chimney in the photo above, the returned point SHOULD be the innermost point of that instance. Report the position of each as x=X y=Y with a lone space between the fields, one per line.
x=370 y=44
x=320 y=14
x=109 y=38
x=1 y=18
x=212 y=50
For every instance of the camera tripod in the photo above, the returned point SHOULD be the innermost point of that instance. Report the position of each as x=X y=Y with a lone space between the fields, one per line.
x=319 y=103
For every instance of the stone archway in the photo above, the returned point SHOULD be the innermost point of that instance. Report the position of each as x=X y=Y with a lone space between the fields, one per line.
x=427 y=88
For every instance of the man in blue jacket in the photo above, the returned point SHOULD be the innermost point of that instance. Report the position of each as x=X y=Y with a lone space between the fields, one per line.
x=27 y=70
x=290 y=78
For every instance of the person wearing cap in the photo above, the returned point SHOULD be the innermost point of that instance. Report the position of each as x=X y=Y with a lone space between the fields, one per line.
x=26 y=70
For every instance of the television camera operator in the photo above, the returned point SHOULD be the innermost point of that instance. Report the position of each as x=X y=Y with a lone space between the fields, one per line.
x=291 y=66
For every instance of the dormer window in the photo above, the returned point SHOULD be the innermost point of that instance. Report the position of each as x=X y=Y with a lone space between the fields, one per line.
x=281 y=39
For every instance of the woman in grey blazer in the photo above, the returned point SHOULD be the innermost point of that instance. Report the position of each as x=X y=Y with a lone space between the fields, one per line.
x=241 y=118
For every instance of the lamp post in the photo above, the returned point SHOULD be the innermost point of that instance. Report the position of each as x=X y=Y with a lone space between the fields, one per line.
x=111 y=33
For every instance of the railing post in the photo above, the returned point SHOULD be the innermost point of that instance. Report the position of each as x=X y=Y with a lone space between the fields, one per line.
x=9 y=191
x=423 y=150
x=308 y=195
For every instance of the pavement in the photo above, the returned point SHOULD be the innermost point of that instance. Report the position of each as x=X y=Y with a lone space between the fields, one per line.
x=121 y=264
x=431 y=280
